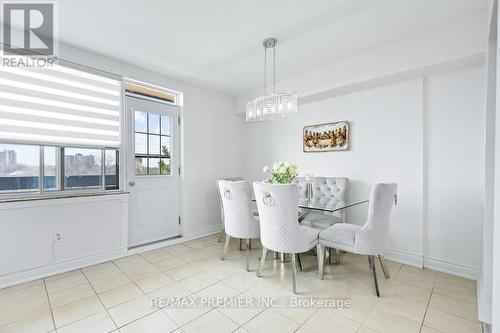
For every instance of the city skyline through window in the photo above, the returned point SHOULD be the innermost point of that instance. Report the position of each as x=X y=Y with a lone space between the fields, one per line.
x=20 y=168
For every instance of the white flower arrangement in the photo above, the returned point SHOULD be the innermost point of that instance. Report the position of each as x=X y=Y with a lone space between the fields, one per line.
x=282 y=172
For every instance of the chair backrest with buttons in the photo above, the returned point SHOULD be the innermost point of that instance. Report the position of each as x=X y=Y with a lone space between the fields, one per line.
x=330 y=192
x=327 y=191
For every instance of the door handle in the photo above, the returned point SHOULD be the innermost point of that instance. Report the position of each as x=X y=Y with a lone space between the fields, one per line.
x=131 y=183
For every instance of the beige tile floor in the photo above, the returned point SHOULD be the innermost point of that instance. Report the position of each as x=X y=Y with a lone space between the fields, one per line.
x=116 y=296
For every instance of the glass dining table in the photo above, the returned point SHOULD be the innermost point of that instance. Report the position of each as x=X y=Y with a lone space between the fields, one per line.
x=306 y=206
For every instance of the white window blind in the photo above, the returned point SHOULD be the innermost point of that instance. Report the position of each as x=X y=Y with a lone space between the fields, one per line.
x=59 y=105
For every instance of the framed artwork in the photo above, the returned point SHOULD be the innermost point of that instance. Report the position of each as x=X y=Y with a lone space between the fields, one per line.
x=326 y=137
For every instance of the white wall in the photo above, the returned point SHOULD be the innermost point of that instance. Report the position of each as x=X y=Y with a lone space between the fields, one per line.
x=495 y=253
x=213 y=137
x=401 y=132
x=94 y=229
x=485 y=280
x=453 y=166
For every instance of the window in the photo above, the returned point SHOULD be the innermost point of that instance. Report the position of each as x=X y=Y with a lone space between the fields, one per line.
x=73 y=116
x=19 y=168
x=152 y=144
x=82 y=168
x=111 y=169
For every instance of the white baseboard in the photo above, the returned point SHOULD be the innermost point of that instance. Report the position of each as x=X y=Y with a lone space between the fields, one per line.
x=191 y=235
x=403 y=257
x=417 y=260
x=451 y=268
x=60 y=267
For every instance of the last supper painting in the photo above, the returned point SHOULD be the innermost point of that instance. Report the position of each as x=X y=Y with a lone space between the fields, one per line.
x=326 y=137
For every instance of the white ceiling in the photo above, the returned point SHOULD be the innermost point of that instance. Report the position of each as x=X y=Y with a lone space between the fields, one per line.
x=218 y=43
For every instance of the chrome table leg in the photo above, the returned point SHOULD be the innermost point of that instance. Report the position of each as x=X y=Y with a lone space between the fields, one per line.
x=226 y=246
x=387 y=274
x=294 y=273
x=247 y=254
x=321 y=260
x=262 y=261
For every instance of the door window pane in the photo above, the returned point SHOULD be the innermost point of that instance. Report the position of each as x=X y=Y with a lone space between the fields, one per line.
x=154 y=166
x=165 y=125
x=50 y=174
x=154 y=123
x=165 y=166
x=154 y=144
x=165 y=146
x=82 y=168
x=141 y=121
x=141 y=166
x=111 y=169
x=19 y=168
x=141 y=145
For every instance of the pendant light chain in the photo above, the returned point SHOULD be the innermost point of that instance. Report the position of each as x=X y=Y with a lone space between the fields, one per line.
x=265 y=71
x=274 y=69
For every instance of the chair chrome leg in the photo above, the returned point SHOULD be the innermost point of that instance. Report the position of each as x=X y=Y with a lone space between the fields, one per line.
x=226 y=246
x=337 y=256
x=387 y=274
x=247 y=254
x=373 y=272
x=299 y=262
x=294 y=273
x=241 y=244
x=321 y=260
x=283 y=258
x=330 y=251
x=276 y=255
x=262 y=261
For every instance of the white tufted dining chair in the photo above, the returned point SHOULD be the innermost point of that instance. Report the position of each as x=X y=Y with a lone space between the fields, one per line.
x=371 y=239
x=330 y=192
x=280 y=230
x=239 y=220
x=221 y=235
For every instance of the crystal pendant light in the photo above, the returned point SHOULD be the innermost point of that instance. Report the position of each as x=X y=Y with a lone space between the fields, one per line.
x=273 y=105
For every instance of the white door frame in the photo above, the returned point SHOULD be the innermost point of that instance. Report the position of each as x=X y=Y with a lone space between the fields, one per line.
x=127 y=149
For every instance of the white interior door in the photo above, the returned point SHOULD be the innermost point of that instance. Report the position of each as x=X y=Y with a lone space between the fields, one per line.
x=153 y=180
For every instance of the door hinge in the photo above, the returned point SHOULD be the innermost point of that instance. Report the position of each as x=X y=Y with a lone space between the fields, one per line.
x=179 y=121
x=179 y=171
x=179 y=220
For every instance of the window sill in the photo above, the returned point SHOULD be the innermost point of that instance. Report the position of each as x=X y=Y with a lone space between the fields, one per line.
x=62 y=196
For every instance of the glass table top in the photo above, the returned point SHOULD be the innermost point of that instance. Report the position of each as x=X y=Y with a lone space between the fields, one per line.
x=326 y=206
